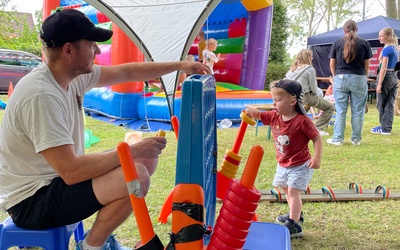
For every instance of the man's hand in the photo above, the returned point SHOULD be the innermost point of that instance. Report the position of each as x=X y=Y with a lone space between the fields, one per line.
x=196 y=68
x=148 y=148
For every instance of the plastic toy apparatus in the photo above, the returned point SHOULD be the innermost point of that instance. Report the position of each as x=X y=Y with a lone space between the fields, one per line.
x=175 y=125
x=238 y=207
x=149 y=239
x=231 y=161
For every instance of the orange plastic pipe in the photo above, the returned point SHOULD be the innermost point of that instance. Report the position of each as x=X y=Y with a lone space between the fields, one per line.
x=239 y=137
x=187 y=193
x=251 y=169
x=175 y=125
x=142 y=216
x=166 y=209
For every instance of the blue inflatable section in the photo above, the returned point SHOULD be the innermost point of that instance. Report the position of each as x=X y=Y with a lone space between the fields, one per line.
x=112 y=104
x=155 y=108
x=224 y=12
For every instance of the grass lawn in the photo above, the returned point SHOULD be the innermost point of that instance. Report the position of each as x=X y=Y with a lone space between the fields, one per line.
x=328 y=225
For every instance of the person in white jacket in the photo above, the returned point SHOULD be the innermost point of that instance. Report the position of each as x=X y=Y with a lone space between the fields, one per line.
x=303 y=72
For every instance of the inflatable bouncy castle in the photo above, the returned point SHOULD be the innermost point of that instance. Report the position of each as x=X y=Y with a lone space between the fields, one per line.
x=162 y=33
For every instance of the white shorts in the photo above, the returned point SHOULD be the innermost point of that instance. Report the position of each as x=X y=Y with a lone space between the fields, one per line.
x=296 y=177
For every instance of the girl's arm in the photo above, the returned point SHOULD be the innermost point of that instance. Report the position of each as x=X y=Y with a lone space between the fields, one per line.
x=313 y=81
x=382 y=73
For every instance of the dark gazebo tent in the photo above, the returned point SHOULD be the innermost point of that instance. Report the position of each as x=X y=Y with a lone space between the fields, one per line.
x=368 y=29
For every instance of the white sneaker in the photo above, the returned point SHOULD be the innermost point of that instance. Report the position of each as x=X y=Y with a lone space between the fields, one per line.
x=337 y=143
x=323 y=133
x=356 y=142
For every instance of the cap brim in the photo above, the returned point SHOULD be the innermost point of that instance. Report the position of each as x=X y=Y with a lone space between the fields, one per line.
x=99 y=35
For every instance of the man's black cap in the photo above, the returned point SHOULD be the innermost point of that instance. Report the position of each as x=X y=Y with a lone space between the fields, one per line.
x=293 y=88
x=70 y=25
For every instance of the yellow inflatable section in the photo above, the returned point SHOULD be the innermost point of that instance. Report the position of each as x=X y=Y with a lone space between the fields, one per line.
x=253 y=5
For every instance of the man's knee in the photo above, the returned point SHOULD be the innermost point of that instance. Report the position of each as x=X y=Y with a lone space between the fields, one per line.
x=144 y=177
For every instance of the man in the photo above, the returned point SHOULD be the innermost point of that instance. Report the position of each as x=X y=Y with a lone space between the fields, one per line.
x=46 y=180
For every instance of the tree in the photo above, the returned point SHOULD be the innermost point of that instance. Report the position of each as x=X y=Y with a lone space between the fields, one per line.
x=307 y=16
x=278 y=56
x=27 y=39
x=398 y=9
x=279 y=35
x=391 y=10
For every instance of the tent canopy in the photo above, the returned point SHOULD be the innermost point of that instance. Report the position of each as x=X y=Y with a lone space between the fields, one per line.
x=368 y=30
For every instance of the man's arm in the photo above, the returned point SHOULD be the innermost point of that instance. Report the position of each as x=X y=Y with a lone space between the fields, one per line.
x=111 y=75
x=74 y=169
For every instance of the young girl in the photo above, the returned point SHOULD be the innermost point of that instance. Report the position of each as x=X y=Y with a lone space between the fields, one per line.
x=349 y=63
x=387 y=81
x=303 y=72
x=208 y=54
x=292 y=131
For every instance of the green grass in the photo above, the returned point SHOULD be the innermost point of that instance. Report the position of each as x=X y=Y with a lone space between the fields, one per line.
x=329 y=225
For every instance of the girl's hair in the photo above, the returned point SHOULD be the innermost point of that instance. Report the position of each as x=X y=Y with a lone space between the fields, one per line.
x=393 y=41
x=190 y=58
x=303 y=57
x=349 y=51
x=211 y=41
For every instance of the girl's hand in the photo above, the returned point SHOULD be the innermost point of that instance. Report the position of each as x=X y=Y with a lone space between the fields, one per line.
x=379 y=88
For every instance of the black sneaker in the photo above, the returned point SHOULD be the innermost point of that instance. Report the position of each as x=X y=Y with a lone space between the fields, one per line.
x=294 y=228
x=283 y=218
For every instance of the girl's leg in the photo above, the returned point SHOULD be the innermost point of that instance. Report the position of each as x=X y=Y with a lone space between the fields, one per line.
x=388 y=113
x=341 y=94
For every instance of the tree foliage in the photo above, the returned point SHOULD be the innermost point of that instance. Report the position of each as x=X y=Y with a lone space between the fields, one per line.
x=278 y=56
x=279 y=35
x=307 y=16
x=27 y=39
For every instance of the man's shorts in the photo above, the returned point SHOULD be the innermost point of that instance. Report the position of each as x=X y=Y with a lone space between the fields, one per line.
x=56 y=205
x=296 y=177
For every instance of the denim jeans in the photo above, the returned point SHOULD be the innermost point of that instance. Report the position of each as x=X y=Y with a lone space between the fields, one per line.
x=385 y=101
x=353 y=88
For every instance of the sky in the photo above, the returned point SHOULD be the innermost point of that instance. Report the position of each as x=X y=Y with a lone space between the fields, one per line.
x=27 y=6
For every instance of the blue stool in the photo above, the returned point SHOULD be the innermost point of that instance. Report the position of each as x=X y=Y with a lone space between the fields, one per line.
x=264 y=235
x=50 y=239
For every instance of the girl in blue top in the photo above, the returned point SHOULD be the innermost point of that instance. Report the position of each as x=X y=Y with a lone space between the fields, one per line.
x=387 y=81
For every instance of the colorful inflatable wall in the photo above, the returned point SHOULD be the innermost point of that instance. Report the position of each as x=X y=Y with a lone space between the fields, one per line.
x=242 y=30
